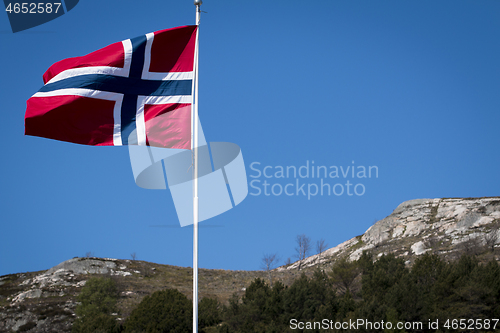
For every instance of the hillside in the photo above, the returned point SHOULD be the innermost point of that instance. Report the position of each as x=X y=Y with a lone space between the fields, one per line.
x=448 y=227
x=45 y=301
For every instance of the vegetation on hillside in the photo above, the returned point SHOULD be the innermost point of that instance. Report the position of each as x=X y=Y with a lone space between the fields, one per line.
x=384 y=290
x=163 y=311
x=97 y=303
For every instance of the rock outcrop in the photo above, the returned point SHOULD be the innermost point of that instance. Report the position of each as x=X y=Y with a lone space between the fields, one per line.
x=45 y=301
x=448 y=227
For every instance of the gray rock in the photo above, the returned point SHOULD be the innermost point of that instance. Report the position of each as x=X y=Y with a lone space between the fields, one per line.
x=85 y=266
x=411 y=203
x=421 y=225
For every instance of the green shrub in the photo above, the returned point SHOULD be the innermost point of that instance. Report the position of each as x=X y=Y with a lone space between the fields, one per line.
x=209 y=314
x=163 y=311
x=98 y=300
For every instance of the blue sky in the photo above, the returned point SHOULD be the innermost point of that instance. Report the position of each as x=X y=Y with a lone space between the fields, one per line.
x=411 y=87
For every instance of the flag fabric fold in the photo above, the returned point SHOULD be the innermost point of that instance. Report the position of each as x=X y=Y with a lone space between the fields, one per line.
x=134 y=92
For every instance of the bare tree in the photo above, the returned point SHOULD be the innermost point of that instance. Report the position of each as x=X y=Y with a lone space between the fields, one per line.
x=89 y=254
x=288 y=261
x=303 y=248
x=133 y=255
x=321 y=246
x=471 y=246
x=491 y=239
x=432 y=243
x=269 y=262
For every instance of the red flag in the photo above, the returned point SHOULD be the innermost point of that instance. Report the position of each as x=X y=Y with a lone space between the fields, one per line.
x=138 y=91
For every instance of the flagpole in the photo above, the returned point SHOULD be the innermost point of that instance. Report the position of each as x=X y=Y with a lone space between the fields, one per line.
x=197 y=3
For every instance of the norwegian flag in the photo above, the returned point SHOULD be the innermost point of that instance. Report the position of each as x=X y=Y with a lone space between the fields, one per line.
x=138 y=91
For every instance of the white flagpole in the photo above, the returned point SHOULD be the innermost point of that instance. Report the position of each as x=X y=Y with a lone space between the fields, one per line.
x=195 y=176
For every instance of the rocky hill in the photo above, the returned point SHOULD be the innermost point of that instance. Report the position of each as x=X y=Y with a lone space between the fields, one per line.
x=448 y=227
x=45 y=301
